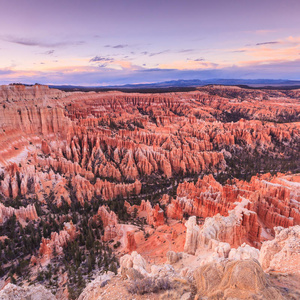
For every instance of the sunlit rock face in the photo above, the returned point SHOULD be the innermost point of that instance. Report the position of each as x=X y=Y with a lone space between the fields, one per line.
x=22 y=214
x=282 y=253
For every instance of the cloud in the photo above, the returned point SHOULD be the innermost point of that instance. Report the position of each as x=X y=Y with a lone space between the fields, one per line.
x=120 y=46
x=261 y=31
x=155 y=70
x=291 y=40
x=267 y=43
x=6 y=71
x=50 y=52
x=100 y=58
x=186 y=50
x=158 y=53
x=39 y=43
x=189 y=65
x=196 y=59
x=265 y=31
x=286 y=49
x=104 y=74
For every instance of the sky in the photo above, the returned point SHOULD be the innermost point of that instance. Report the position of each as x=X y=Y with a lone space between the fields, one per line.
x=95 y=42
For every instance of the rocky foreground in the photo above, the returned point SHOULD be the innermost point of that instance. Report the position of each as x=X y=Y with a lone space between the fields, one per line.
x=114 y=195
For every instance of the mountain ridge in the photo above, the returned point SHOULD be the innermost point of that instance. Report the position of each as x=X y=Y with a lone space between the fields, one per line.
x=190 y=84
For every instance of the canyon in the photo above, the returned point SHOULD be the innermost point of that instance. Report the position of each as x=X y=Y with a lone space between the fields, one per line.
x=103 y=189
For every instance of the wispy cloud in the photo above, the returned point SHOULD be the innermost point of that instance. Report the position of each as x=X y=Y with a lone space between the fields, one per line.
x=159 y=70
x=6 y=71
x=120 y=46
x=39 y=43
x=158 y=53
x=189 y=65
x=268 y=43
x=100 y=59
x=50 y=52
x=239 y=51
x=265 y=31
x=186 y=50
x=286 y=49
x=196 y=59
x=261 y=31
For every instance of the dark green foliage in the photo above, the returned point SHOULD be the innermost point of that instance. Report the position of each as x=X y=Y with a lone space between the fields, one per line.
x=87 y=252
x=18 y=248
x=81 y=256
x=113 y=125
x=149 y=285
x=247 y=163
x=138 y=124
x=117 y=244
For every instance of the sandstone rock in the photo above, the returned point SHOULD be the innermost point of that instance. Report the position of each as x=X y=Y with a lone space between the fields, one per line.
x=275 y=200
x=154 y=216
x=110 y=221
x=131 y=274
x=36 y=292
x=56 y=243
x=162 y=271
x=45 y=148
x=186 y=296
x=130 y=241
x=283 y=253
x=192 y=235
x=135 y=261
x=173 y=257
x=244 y=252
x=218 y=233
x=94 y=289
x=234 y=280
x=22 y=214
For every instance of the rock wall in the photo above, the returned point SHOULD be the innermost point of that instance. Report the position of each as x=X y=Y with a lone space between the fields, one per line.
x=271 y=201
x=282 y=254
x=55 y=244
x=23 y=214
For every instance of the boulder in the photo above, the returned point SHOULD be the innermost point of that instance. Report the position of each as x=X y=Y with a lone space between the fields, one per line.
x=239 y=279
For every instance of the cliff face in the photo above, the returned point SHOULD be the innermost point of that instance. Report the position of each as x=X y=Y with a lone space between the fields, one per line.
x=36 y=93
x=282 y=253
x=119 y=137
x=26 y=113
x=55 y=244
x=233 y=229
x=12 y=291
x=154 y=216
x=271 y=201
x=22 y=214
x=234 y=279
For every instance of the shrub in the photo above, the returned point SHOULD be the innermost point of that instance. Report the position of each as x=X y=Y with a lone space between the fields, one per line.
x=149 y=285
x=117 y=244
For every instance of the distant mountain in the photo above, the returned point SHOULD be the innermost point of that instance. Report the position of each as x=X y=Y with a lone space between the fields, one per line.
x=188 y=84
x=198 y=82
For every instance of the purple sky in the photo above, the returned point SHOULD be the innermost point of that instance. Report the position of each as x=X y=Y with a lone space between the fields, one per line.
x=96 y=42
